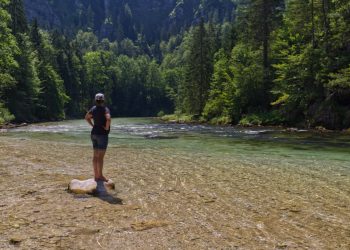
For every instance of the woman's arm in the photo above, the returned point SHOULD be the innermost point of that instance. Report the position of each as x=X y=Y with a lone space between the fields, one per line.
x=88 y=118
x=108 y=120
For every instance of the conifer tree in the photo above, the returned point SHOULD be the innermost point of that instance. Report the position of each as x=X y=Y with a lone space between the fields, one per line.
x=199 y=68
x=23 y=96
x=220 y=102
x=8 y=65
x=298 y=80
x=18 y=17
x=68 y=67
x=256 y=21
x=8 y=48
x=52 y=96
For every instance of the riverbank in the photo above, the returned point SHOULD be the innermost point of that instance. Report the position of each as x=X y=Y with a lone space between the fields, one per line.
x=245 y=123
x=12 y=125
x=167 y=199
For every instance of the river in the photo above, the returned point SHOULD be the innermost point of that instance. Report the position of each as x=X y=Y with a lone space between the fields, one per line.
x=250 y=143
x=244 y=188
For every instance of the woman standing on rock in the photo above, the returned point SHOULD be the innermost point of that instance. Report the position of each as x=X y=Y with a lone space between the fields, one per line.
x=100 y=119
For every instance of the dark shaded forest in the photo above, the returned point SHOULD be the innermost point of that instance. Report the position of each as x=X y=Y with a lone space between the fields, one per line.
x=247 y=62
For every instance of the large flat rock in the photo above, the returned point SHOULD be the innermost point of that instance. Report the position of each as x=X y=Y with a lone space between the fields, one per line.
x=90 y=186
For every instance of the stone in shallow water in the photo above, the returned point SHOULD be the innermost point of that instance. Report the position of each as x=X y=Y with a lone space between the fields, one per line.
x=16 y=240
x=89 y=186
x=109 y=184
x=145 y=225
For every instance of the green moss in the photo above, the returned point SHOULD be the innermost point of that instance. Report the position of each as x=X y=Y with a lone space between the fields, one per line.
x=181 y=118
x=186 y=118
x=259 y=119
x=161 y=113
x=222 y=120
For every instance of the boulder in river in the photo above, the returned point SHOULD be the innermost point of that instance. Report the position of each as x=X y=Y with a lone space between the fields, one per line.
x=160 y=137
x=90 y=186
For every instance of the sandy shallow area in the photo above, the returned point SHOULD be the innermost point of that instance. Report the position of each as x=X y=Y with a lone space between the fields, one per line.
x=167 y=200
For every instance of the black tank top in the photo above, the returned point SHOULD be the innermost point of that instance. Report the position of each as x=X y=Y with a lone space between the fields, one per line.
x=99 y=116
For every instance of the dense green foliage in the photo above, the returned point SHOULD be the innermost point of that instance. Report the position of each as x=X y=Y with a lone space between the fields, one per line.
x=47 y=76
x=252 y=62
x=288 y=63
x=8 y=64
x=312 y=48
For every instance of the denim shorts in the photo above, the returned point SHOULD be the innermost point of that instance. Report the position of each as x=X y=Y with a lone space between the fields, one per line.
x=99 y=141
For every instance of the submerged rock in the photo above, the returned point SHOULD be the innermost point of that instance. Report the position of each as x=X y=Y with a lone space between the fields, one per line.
x=89 y=186
x=145 y=225
x=347 y=131
x=16 y=240
x=109 y=184
x=160 y=137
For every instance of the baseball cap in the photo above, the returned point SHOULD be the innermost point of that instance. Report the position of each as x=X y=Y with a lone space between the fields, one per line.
x=99 y=97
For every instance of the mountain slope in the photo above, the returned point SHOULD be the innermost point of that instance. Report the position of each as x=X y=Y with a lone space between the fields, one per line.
x=119 y=19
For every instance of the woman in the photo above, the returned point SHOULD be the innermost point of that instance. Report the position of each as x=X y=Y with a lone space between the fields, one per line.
x=100 y=119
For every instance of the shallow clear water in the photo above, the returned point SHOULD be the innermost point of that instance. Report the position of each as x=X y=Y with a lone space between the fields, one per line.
x=224 y=187
x=245 y=143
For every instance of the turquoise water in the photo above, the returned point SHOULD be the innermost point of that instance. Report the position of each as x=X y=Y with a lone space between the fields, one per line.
x=249 y=143
x=269 y=186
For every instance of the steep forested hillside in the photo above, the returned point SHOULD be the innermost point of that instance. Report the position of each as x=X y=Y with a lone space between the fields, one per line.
x=155 y=20
x=248 y=62
x=66 y=51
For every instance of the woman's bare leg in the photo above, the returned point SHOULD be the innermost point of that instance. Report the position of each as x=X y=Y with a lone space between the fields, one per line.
x=101 y=155
x=95 y=163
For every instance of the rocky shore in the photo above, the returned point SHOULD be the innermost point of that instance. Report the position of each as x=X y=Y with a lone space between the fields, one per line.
x=6 y=126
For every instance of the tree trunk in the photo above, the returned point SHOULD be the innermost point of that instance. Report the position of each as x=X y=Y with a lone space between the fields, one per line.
x=313 y=24
x=265 y=34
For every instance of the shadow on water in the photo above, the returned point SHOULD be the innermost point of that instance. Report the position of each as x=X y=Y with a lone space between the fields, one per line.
x=102 y=194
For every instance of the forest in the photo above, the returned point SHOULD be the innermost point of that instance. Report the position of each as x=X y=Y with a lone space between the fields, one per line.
x=246 y=62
